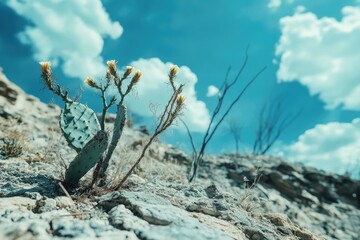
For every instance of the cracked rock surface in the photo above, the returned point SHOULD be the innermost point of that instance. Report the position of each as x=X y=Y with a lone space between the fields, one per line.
x=289 y=201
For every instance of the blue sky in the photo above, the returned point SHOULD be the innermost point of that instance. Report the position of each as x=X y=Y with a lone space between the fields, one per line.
x=310 y=48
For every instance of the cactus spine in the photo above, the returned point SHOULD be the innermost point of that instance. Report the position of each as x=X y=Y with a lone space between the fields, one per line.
x=79 y=124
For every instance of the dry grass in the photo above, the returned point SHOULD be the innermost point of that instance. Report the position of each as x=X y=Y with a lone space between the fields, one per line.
x=121 y=164
x=151 y=169
x=154 y=170
x=51 y=153
x=250 y=200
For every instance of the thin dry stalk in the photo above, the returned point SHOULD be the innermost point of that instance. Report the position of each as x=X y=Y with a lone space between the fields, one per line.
x=214 y=125
x=171 y=111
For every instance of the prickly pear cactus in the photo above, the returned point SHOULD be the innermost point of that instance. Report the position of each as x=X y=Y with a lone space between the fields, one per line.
x=119 y=124
x=91 y=153
x=79 y=124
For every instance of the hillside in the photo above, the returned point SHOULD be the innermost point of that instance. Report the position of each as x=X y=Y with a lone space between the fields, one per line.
x=287 y=201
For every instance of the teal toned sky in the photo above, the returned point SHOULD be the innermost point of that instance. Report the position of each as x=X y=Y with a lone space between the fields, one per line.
x=311 y=50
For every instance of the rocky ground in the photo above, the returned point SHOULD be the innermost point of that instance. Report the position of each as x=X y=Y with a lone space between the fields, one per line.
x=234 y=197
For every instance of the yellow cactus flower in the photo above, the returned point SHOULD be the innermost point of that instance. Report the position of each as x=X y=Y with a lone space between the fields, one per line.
x=112 y=67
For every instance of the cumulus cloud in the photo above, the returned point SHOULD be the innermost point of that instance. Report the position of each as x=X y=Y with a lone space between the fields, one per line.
x=274 y=4
x=333 y=146
x=212 y=91
x=153 y=89
x=68 y=31
x=322 y=54
x=72 y=32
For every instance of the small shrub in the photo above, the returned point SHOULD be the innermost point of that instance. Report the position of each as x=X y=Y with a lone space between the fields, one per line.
x=13 y=139
x=11 y=147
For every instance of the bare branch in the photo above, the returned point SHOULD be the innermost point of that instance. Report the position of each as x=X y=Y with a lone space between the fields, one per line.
x=235 y=131
x=272 y=124
x=212 y=127
x=191 y=138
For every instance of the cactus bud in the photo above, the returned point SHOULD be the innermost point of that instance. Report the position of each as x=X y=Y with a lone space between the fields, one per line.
x=47 y=75
x=173 y=71
x=180 y=100
x=112 y=67
x=136 y=77
x=89 y=81
x=128 y=71
x=45 y=68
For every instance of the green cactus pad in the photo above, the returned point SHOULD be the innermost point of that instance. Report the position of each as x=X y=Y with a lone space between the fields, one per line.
x=119 y=124
x=87 y=158
x=79 y=124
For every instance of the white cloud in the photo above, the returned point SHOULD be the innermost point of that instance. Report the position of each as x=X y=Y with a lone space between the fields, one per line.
x=212 y=91
x=72 y=32
x=323 y=55
x=67 y=31
x=274 y=4
x=153 y=88
x=333 y=146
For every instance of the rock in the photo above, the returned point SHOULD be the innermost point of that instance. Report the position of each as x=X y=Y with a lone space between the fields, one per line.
x=161 y=220
x=283 y=221
x=25 y=230
x=223 y=225
x=45 y=205
x=285 y=185
x=173 y=154
x=143 y=129
x=203 y=207
x=64 y=202
x=9 y=91
x=255 y=234
x=33 y=195
x=93 y=229
x=20 y=178
x=21 y=203
x=288 y=168
x=122 y=218
x=213 y=192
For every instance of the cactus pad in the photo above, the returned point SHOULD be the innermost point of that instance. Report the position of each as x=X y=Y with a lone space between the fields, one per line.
x=87 y=158
x=79 y=124
x=119 y=124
